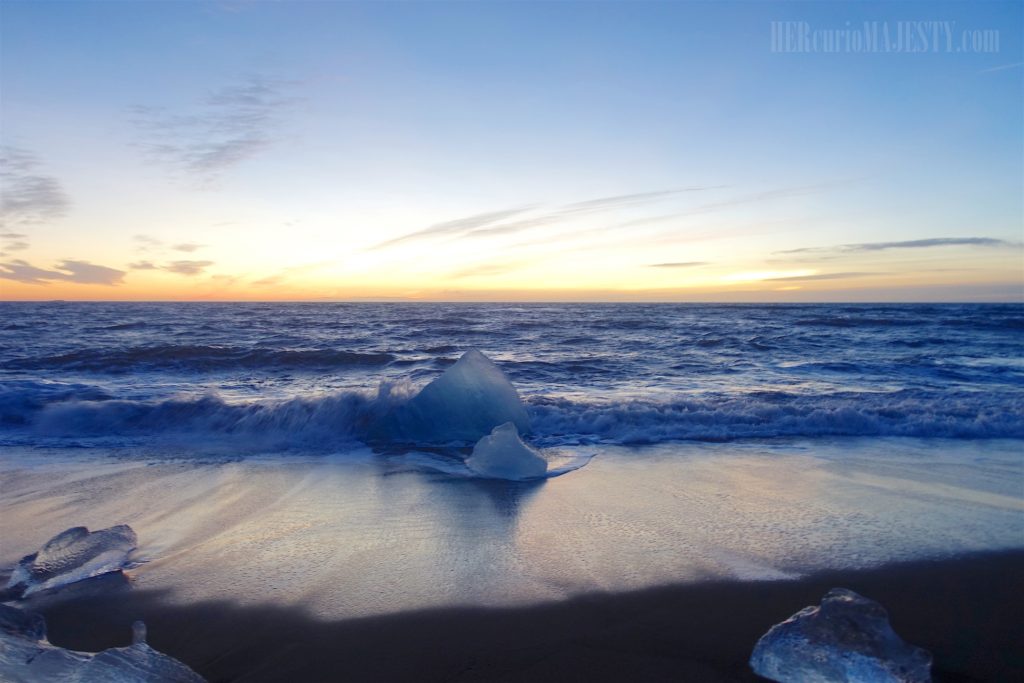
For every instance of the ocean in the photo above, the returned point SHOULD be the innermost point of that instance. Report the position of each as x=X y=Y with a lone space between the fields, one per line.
x=243 y=442
x=306 y=377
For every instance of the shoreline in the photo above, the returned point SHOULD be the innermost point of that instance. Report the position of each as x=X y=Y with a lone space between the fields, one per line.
x=966 y=610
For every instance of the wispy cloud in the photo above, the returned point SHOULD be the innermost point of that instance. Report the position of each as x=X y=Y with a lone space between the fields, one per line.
x=680 y=264
x=510 y=227
x=269 y=280
x=145 y=243
x=906 y=244
x=22 y=271
x=759 y=197
x=823 y=276
x=608 y=203
x=1001 y=67
x=495 y=223
x=227 y=127
x=187 y=267
x=27 y=195
x=155 y=249
x=13 y=241
x=457 y=226
x=87 y=273
x=81 y=272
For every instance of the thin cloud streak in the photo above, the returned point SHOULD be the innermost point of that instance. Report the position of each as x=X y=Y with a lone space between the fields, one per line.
x=513 y=226
x=269 y=280
x=13 y=241
x=907 y=244
x=490 y=224
x=187 y=267
x=607 y=203
x=1001 y=67
x=680 y=264
x=457 y=226
x=822 y=276
x=760 y=197
x=69 y=270
x=615 y=202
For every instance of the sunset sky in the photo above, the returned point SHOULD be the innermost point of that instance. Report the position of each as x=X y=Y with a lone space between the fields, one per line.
x=506 y=151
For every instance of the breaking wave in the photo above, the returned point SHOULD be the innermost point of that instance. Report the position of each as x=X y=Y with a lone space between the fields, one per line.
x=76 y=412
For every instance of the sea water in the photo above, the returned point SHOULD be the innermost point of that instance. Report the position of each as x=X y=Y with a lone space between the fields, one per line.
x=305 y=375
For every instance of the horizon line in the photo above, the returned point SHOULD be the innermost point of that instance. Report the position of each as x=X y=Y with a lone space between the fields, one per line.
x=370 y=300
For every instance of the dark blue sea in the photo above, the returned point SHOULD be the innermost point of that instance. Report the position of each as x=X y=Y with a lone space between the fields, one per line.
x=310 y=377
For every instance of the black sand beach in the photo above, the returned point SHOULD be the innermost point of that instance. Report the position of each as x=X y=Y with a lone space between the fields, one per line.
x=968 y=611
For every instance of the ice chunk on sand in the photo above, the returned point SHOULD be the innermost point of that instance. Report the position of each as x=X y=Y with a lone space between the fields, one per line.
x=73 y=555
x=846 y=638
x=465 y=403
x=503 y=455
x=26 y=656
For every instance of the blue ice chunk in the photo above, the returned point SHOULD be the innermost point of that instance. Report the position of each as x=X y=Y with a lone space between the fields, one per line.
x=845 y=639
x=74 y=555
x=503 y=455
x=465 y=403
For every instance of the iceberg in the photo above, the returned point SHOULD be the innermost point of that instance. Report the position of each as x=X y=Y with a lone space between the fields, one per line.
x=26 y=656
x=73 y=555
x=465 y=403
x=503 y=455
x=846 y=638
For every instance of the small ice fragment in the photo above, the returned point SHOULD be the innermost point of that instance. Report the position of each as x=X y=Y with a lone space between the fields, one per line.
x=139 y=633
x=26 y=656
x=138 y=662
x=503 y=455
x=847 y=638
x=463 y=404
x=74 y=555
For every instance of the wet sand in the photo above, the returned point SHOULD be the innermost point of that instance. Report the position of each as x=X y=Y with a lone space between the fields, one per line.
x=968 y=611
x=353 y=536
x=649 y=564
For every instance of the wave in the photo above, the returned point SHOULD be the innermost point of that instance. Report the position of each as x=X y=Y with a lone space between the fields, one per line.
x=859 y=321
x=324 y=422
x=993 y=320
x=195 y=357
x=20 y=401
x=780 y=414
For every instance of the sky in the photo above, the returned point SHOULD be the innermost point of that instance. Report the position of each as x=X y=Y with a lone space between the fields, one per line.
x=495 y=151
